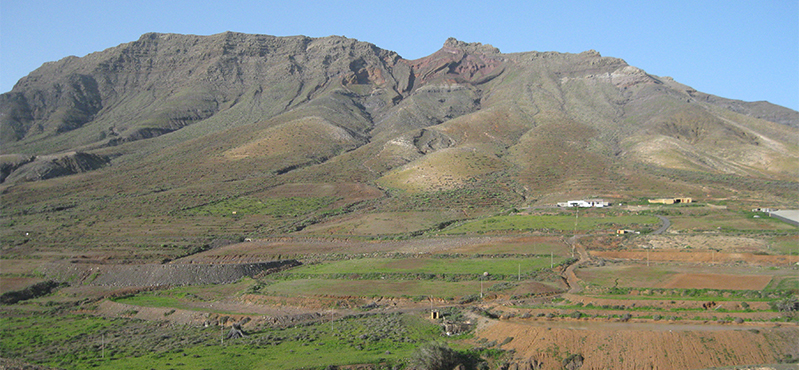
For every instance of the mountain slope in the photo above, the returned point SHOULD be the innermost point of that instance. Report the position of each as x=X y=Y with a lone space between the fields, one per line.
x=169 y=123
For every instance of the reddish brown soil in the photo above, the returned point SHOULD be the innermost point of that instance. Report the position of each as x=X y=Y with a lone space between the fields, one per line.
x=641 y=345
x=668 y=304
x=690 y=256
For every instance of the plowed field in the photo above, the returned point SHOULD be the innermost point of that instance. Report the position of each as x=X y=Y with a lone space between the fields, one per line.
x=615 y=345
x=687 y=256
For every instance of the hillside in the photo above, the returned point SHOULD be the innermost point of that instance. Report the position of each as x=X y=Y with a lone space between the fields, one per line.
x=179 y=139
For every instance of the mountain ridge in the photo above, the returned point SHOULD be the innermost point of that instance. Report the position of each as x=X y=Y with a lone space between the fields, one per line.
x=208 y=118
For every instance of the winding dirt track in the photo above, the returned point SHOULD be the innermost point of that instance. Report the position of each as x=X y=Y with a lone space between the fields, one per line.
x=571 y=278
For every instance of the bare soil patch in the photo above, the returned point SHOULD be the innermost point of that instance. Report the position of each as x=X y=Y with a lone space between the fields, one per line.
x=667 y=305
x=718 y=242
x=717 y=281
x=10 y=284
x=608 y=345
x=692 y=256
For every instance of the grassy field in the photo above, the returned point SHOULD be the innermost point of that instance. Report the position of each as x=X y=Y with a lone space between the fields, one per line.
x=625 y=276
x=375 y=288
x=80 y=342
x=448 y=266
x=786 y=244
x=562 y=223
x=725 y=220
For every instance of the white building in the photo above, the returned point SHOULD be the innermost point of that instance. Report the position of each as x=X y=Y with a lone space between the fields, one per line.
x=588 y=203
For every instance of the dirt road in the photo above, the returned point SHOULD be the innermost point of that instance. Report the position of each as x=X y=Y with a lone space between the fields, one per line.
x=582 y=257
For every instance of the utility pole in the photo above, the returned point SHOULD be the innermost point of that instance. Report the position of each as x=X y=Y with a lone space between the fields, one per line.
x=520 y=272
x=551 y=261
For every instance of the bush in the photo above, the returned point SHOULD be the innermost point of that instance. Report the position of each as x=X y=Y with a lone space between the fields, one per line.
x=573 y=362
x=786 y=305
x=434 y=356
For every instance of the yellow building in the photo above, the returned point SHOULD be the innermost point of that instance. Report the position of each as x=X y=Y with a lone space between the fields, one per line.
x=671 y=200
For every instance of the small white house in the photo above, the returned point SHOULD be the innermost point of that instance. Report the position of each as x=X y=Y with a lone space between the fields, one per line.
x=588 y=203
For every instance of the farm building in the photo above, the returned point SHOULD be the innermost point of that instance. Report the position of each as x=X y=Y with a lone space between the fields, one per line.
x=671 y=200
x=588 y=203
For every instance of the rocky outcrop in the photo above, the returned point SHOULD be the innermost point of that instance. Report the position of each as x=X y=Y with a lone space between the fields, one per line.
x=32 y=168
x=10 y=162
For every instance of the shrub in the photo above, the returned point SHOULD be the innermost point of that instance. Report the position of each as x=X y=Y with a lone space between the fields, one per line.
x=786 y=305
x=573 y=362
x=434 y=356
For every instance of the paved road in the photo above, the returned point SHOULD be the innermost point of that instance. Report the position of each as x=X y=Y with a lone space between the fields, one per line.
x=665 y=223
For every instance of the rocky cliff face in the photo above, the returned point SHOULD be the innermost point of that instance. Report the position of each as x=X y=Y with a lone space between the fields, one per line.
x=274 y=105
x=163 y=82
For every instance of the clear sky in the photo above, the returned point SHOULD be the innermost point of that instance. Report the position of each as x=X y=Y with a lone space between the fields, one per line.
x=746 y=50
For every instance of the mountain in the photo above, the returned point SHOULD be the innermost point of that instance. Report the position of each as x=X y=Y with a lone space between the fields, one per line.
x=173 y=123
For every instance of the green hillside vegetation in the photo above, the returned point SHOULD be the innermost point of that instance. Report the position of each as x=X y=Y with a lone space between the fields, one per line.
x=270 y=206
x=559 y=223
x=87 y=341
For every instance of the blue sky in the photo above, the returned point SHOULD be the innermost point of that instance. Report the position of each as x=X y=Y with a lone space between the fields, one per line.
x=735 y=49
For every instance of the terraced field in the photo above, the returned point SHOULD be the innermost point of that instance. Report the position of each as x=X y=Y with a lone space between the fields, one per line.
x=503 y=278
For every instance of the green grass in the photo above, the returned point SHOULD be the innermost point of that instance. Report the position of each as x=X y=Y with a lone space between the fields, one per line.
x=184 y=297
x=787 y=283
x=563 y=223
x=626 y=276
x=786 y=245
x=475 y=266
x=728 y=221
x=154 y=299
x=376 y=288
x=76 y=342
